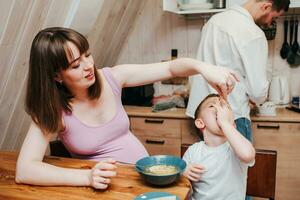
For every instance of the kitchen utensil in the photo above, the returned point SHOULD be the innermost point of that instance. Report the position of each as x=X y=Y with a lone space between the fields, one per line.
x=279 y=90
x=160 y=160
x=285 y=46
x=295 y=46
x=292 y=22
x=219 y=4
x=294 y=57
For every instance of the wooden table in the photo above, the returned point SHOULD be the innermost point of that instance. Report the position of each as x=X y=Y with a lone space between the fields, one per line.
x=127 y=185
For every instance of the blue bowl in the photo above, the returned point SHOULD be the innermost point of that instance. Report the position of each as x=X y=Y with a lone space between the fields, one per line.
x=142 y=164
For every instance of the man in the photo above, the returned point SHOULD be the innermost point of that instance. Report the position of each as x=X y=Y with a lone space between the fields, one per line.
x=233 y=38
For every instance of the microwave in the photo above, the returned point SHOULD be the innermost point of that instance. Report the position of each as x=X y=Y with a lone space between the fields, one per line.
x=138 y=96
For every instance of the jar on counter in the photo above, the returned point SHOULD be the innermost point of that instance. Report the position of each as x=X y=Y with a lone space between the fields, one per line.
x=219 y=4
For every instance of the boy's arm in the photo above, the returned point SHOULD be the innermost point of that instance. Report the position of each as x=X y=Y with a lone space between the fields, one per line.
x=241 y=146
x=193 y=171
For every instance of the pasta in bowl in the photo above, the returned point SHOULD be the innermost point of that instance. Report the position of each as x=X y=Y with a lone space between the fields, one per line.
x=160 y=169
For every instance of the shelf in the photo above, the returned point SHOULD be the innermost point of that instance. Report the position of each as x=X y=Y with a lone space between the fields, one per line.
x=202 y=11
x=171 y=6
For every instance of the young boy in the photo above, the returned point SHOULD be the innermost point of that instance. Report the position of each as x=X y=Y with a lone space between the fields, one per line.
x=217 y=166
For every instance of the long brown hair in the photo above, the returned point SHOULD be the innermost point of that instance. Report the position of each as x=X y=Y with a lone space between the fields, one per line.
x=46 y=99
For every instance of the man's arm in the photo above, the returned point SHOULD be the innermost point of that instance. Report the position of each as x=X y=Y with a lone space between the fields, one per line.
x=254 y=56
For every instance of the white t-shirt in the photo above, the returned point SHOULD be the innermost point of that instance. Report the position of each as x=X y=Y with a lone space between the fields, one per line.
x=232 y=39
x=225 y=176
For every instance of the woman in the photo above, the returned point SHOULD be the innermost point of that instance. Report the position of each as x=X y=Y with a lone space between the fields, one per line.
x=67 y=95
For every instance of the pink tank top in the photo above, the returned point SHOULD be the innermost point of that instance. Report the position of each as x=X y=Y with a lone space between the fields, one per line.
x=110 y=140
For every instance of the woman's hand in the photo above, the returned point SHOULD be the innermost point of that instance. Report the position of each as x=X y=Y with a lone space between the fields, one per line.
x=102 y=173
x=194 y=172
x=220 y=78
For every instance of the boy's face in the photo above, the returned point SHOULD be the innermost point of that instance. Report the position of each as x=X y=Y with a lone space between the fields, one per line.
x=207 y=117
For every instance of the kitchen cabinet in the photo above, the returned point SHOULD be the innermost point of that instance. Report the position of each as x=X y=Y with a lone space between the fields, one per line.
x=295 y=4
x=163 y=132
x=158 y=135
x=284 y=137
x=171 y=6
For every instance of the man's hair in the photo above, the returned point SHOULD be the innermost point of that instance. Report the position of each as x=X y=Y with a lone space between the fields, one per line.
x=279 y=5
x=197 y=112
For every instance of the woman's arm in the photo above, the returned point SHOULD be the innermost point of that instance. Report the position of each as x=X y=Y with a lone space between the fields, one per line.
x=32 y=170
x=222 y=79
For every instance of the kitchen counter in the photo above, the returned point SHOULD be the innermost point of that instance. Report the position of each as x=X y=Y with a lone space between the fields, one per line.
x=140 y=111
x=126 y=185
x=283 y=115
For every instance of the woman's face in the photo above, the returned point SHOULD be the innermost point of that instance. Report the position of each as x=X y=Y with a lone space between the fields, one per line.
x=80 y=74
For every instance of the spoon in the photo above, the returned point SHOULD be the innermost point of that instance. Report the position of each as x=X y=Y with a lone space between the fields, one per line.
x=285 y=46
x=140 y=168
x=294 y=47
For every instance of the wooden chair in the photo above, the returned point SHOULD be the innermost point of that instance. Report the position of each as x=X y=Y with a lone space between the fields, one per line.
x=57 y=148
x=261 y=180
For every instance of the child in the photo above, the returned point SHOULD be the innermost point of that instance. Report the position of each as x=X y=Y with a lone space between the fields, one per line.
x=217 y=166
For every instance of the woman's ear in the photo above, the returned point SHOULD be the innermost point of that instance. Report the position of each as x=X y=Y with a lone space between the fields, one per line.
x=58 y=78
x=199 y=123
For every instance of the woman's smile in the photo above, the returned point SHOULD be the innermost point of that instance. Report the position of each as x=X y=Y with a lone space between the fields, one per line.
x=90 y=76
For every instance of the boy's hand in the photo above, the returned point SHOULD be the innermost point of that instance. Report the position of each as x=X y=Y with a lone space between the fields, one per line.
x=224 y=113
x=194 y=172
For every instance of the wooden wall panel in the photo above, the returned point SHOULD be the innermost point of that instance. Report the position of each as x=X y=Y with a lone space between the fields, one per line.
x=19 y=23
x=11 y=37
x=111 y=28
x=157 y=32
x=19 y=70
x=57 y=13
x=4 y=14
x=9 y=87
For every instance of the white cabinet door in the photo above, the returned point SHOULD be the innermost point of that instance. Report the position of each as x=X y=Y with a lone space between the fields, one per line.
x=295 y=4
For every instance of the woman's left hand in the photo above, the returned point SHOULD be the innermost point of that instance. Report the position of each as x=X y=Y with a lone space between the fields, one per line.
x=221 y=79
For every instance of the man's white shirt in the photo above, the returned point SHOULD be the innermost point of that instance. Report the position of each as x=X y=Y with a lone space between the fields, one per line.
x=232 y=39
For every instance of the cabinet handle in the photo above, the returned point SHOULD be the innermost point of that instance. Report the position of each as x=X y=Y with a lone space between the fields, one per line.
x=268 y=126
x=154 y=121
x=155 y=141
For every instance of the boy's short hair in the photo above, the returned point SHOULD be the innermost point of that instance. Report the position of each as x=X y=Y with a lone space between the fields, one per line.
x=197 y=112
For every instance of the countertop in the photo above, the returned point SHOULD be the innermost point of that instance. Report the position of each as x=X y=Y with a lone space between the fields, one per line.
x=126 y=185
x=283 y=115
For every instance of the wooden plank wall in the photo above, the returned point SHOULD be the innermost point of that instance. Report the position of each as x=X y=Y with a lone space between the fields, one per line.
x=20 y=21
x=118 y=22
x=106 y=28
